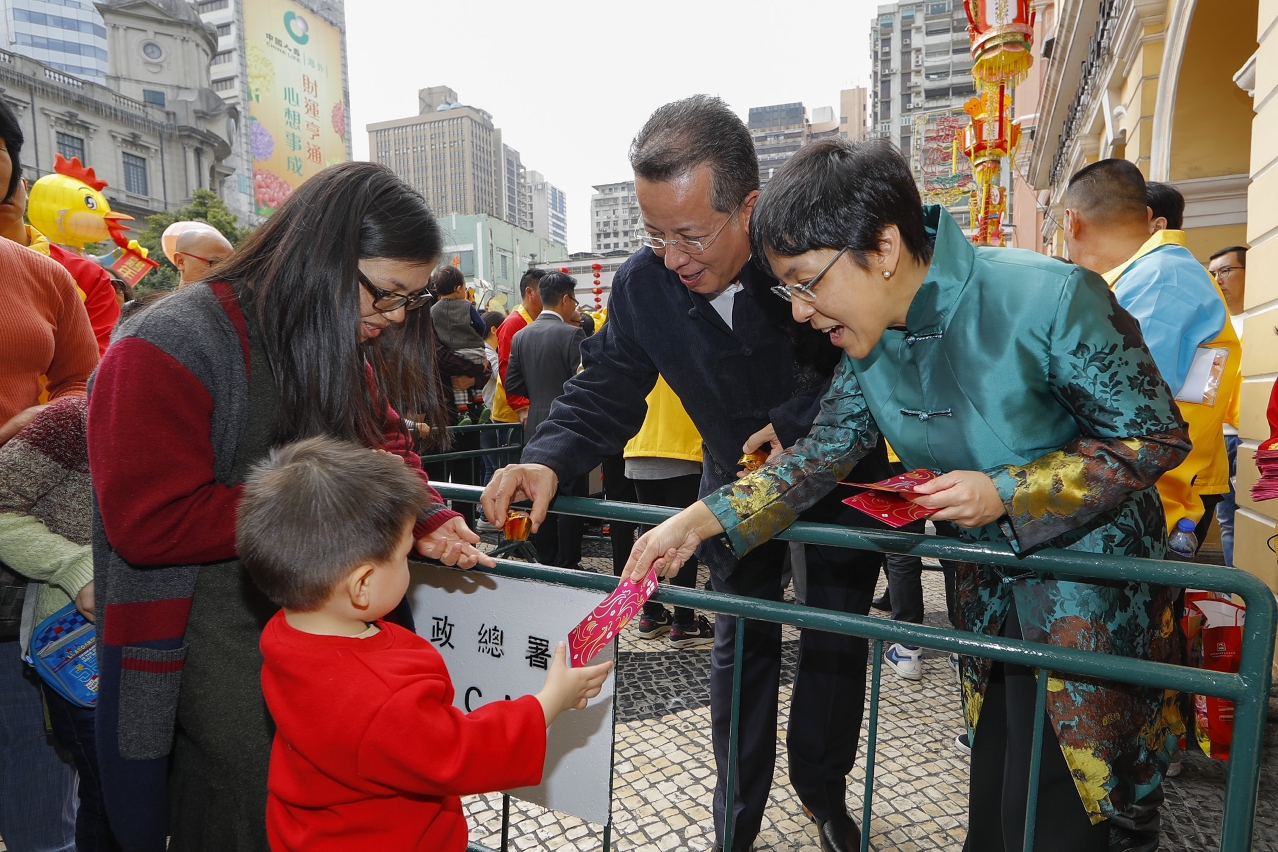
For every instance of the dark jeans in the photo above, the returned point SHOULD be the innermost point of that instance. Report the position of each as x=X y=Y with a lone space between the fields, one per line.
x=617 y=486
x=829 y=687
x=37 y=786
x=1000 y=773
x=1210 y=501
x=459 y=471
x=73 y=729
x=490 y=439
x=558 y=541
x=680 y=492
x=1229 y=504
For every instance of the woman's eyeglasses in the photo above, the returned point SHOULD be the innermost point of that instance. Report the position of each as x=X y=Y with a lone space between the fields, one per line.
x=804 y=291
x=386 y=301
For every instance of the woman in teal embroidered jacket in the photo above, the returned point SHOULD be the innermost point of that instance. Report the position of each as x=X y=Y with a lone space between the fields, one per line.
x=1021 y=381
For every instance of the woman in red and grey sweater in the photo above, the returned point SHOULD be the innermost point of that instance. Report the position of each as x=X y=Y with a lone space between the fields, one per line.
x=311 y=331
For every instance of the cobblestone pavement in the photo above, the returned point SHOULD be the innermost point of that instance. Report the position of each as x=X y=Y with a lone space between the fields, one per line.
x=664 y=769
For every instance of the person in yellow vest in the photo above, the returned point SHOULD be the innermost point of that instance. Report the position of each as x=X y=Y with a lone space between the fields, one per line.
x=1182 y=315
x=664 y=461
x=1229 y=267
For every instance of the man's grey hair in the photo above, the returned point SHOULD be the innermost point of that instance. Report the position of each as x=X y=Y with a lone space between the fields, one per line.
x=682 y=135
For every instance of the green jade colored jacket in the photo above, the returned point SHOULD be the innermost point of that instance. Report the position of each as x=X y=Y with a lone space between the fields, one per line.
x=1023 y=367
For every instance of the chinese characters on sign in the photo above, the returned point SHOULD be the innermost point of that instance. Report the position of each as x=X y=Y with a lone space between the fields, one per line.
x=490 y=640
x=538 y=655
x=441 y=632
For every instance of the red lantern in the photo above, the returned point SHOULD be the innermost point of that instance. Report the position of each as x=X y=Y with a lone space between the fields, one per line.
x=597 y=290
x=596 y=267
x=1002 y=33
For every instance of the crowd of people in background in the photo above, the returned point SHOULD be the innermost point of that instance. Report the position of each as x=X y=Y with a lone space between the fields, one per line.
x=227 y=480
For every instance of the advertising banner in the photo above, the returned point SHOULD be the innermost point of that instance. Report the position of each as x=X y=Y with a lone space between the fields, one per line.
x=297 y=112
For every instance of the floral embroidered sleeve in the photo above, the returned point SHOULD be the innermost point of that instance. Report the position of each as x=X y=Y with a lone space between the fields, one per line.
x=1131 y=430
x=761 y=504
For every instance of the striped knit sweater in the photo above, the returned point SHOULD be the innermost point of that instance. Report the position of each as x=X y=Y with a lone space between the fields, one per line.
x=45 y=499
x=167 y=410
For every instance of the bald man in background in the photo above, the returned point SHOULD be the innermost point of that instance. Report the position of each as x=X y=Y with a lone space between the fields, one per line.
x=198 y=251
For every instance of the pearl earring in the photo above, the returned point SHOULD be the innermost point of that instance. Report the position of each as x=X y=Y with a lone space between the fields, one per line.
x=887 y=273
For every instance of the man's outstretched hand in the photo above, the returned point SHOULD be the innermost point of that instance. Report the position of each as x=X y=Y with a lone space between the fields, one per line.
x=516 y=482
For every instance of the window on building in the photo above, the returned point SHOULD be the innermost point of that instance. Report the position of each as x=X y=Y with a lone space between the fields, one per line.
x=221 y=58
x=153 y=97
x=905 y=146
x=223 y=30
x=70 y=146
x=938 y=8
x=938 y=28
x=224 y=85
x=135 y=174
x=213 y=5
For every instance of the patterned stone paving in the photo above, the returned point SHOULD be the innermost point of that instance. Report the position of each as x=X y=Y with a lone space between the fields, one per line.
x=664 y=771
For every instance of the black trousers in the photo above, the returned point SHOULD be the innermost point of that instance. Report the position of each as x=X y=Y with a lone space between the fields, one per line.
x=678 y=492
x=1000 y=773
x=829 y=688
x=618 y=487
x=558 y=541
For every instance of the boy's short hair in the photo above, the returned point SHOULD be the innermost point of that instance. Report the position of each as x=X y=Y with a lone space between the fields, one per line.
x=316 y=509
x=1167 y=202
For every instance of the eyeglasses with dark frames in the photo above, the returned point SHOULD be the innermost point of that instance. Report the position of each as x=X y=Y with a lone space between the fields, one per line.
x=804 y=291
x=1226 y=270
x=687 y=246
x=386 y=301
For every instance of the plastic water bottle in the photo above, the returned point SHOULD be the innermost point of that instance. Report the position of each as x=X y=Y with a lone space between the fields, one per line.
x=1182 y=543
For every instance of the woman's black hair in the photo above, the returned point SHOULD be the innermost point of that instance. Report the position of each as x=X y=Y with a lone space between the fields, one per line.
x=297 y=274
x=833 y=194
x=447 y=280
x=11 y=133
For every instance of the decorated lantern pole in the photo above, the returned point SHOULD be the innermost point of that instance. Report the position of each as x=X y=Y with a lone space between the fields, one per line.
x=1002 y=35
x=597 y=288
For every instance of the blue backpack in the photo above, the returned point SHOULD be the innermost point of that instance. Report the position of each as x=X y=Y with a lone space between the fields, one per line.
x=64 y=653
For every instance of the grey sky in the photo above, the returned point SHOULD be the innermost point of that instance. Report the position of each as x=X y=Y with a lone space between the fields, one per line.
x=569 y=83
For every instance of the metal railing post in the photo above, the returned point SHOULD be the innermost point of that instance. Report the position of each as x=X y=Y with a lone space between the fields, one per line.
x=730 y=799
x=1036 y=760
x=867 y=799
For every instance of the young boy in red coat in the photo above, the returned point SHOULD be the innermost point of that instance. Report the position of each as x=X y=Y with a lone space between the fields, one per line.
x=369 y=751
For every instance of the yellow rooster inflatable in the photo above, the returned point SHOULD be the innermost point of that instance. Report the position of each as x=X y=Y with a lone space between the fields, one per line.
x=69 y=208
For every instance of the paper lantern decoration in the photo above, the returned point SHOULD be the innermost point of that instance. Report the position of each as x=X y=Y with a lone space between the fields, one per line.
x=1002 y=33
x=986 y=141
x=597 y=289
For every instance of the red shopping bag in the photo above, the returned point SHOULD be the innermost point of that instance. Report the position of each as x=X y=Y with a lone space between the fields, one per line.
x=1216 y=646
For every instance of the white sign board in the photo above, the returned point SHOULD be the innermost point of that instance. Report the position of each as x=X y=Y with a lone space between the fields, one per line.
x=497 y=636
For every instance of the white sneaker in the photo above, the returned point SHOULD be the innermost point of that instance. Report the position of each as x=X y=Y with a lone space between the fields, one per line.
x=904 y=660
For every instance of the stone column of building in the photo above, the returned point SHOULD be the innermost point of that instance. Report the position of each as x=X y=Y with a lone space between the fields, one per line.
x=1254 y=524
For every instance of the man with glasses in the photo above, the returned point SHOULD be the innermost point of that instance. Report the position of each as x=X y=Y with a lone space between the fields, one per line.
x=1229 y=267
x=197 y=251
x=543 y=357
x=694 y=309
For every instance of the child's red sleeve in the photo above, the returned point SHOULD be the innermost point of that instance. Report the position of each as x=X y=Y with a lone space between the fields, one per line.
x=419 y=743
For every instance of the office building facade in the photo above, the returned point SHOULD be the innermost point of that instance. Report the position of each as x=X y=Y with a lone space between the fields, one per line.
x=67 y=35
x=549 y=210
x=778 y=131
x=616 y=223
x=854 y=117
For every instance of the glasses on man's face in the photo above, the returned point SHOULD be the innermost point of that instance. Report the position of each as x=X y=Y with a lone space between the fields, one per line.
x=803 y=292
x=684 y=245
x=211 y=261
x=1226 y=270
x=386 y=301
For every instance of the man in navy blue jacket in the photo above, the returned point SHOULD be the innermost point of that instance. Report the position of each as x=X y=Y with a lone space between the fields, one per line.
x=694 y=309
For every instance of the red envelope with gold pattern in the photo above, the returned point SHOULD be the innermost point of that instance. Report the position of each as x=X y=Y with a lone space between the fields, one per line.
x=891 y=509
x=901 y=484
x=606 y=620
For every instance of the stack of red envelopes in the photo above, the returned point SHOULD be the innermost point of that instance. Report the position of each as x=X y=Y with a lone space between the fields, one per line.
x=1266 y=488
x=888 y=501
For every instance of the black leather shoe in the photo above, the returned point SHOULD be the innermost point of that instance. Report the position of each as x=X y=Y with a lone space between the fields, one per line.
x=838 y=834
x=884 y=603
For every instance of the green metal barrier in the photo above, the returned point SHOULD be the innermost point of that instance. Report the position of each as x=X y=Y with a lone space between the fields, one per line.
x=1248 y=689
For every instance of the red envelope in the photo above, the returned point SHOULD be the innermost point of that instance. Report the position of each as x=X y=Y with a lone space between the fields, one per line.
x=902 y=484
x=891 y=509
x=606 y=620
